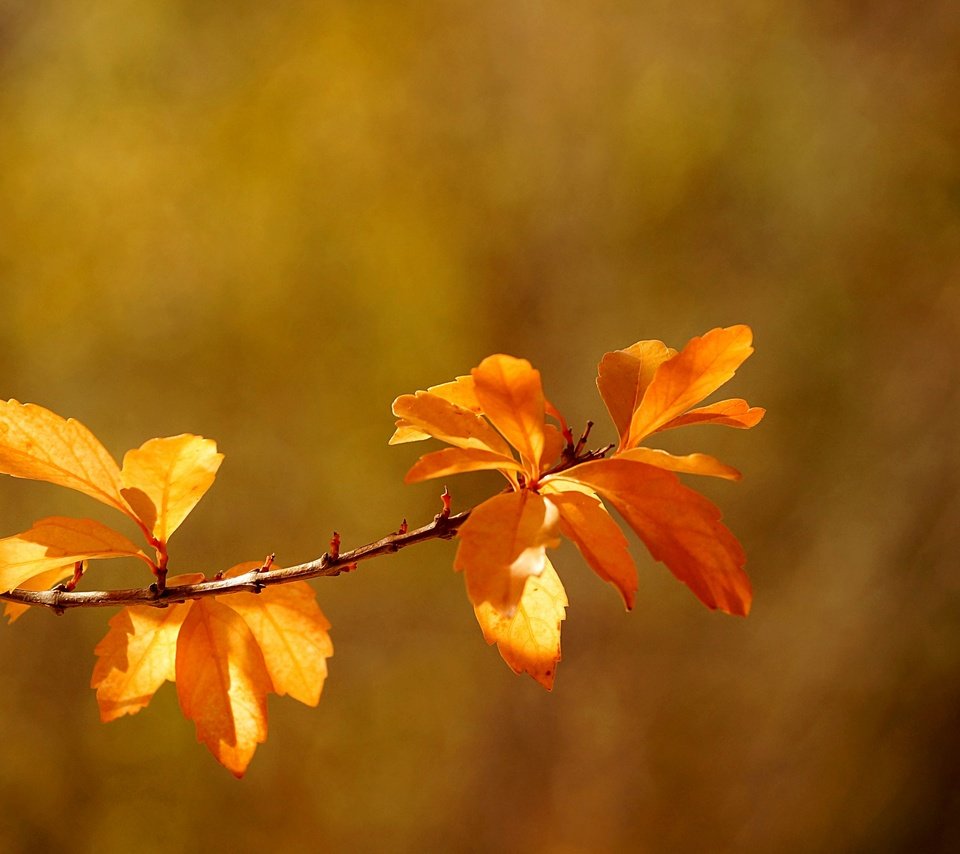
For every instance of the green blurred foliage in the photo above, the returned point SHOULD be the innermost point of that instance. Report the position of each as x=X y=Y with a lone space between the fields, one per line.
x=261 y=222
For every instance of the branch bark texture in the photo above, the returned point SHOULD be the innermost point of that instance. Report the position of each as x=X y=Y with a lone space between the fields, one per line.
x=442 y=527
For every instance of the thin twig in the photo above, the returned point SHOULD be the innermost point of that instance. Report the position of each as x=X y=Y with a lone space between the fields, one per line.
x=59 y=600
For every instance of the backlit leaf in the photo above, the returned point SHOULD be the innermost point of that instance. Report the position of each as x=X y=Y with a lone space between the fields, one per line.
x=529 y=639
x=448 y=422
x=292 y=633
x=135 y=657
x=502 y=544
x=688 y=464
x=38 y=444
x=623 y=377
x=222 y=683
x=56 y=542
x=704 y=365
x=730 y=413
x=457 y=460
x=164 y=479
x=460 y=391
x=680 y=527
x=585 y=522
x=511 y=396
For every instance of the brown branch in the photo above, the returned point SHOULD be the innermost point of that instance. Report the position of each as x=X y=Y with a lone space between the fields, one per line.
x=443 y=527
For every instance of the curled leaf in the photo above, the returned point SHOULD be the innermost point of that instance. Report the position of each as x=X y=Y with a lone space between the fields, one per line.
x=730 y=413
x=511 y=396
x=448 y=422
x=688 y=464
x=458 y=460
x=623 y=377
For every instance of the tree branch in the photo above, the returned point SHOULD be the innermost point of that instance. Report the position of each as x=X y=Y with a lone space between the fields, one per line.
x=443 y=527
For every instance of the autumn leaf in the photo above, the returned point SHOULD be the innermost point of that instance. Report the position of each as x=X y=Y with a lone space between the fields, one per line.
x=703 y=365
x=688 y=464
x=511 y=396
x=623 y=377
x=680 y=527
x=57 y=542
x=730 y=413
x=40 y=445
x=502 y=544
x=222 y=683
x=585 y=522
x=458 y=460
x=136 y=656
x=529 y=638
x=164 y=479
x=292 y=633
x=448 y=422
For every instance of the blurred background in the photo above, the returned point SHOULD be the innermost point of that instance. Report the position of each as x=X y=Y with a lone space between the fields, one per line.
x=262 y=222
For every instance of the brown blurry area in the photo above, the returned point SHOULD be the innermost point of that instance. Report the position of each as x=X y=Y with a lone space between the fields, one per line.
x=261 y=222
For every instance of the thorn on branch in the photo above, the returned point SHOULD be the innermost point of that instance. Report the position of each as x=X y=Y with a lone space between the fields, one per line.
x=403 y=527
x=267 y=562
x=334 y=546
x=78 y=569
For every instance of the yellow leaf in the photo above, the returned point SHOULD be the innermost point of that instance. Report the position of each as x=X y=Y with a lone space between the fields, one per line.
x=585 y=522
x=688 y=464
x=38 y=444
x=448 y=422
x=502 y=544
x=529 y=639
x=222 y=683
x=511 y=396
x=680 y=527
x=164 y=479
x=457 y=460
x=44 y=581
x=623 y=377
x=135 y=657
x=730 y=413
x=293 y=635
x=704 y=365
x=460 y=391
x=55 y=542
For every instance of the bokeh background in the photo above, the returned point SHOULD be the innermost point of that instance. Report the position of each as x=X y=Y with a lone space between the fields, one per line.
x=262 y=222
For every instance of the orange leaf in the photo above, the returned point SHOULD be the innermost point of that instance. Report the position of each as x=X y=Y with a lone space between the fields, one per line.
x=529 y=640
x=688 y=464
x=511 y=396
x=165 y=478
x=460 y=391
x=38 y=444
x=222 y=683
x=135 y=657
x=448 y=422
x=44 y=581
x=699 y=369
x=623 y=377
x=680 y=527
x=731 y=413
x=502 y=544
x=56 y=542
x=292 y=634
x=458 y=460
x=585 y=522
